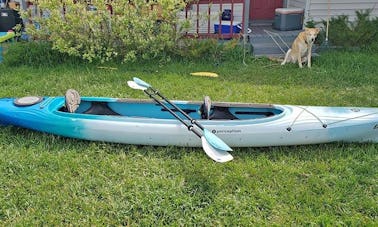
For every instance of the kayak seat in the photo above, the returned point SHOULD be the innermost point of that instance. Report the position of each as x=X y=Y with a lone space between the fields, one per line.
x=100 y=108
x=215 y=113
x=221 y=113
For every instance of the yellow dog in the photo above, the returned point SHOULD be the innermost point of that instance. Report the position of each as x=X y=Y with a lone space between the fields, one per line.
x=301 y=47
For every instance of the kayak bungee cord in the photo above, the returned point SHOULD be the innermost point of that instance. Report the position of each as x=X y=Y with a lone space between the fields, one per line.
x=352 y=118
x=304 y=109
x=324 y=125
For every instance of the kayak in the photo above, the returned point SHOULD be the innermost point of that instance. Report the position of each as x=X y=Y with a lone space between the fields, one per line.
x=4 y=36
x=145 y=122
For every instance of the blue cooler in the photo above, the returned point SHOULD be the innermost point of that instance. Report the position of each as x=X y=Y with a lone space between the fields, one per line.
x=225 y=27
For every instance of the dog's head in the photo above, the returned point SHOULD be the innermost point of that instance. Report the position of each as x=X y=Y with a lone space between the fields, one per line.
x=311 y=34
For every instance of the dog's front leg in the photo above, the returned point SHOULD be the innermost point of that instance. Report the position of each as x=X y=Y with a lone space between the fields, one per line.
x=299 y=59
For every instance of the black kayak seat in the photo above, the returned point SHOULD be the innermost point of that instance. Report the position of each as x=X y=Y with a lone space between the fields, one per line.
x=100 y=108
x=221 y=113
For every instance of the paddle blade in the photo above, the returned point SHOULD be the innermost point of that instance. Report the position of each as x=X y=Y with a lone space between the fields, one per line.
x=134 y=85
x=214 y=153
x=141 y=82
x=215 y=141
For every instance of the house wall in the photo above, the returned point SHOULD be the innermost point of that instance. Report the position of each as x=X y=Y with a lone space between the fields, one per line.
x=296 y=4
x=317 y=10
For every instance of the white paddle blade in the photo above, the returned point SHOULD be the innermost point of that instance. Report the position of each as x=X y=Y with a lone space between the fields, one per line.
x=141 y=82
x=214 y=153
x=134 y=85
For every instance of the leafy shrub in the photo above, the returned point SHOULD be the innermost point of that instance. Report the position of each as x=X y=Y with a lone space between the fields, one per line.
x=310 y=24
x=362 y=32
x=137 y=29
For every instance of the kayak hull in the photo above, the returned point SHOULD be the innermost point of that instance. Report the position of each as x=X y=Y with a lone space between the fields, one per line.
x=143 y=122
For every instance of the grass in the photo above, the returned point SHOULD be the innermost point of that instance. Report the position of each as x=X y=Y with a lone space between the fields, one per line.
x=51 y=180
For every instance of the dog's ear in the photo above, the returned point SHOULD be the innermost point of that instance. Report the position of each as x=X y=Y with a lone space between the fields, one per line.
x=317 y=30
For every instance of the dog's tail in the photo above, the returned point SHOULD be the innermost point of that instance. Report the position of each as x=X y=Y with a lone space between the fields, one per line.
x=286 y=57
x=275 y=59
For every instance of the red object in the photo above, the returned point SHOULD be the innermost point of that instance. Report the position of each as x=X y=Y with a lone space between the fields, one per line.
x=109 y=7
x=263 y=9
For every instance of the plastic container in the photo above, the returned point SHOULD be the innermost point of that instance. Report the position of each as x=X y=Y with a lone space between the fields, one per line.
x=288 y=19
x=225 y=27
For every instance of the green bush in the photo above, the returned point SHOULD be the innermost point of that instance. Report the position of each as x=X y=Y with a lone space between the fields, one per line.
x=363 y=32
x=41 y=53
x=137 y=30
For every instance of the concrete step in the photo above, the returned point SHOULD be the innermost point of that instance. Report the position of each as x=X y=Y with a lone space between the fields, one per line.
x=270 y=39
x=269 y=47
x=265 y=40
x=269 y=51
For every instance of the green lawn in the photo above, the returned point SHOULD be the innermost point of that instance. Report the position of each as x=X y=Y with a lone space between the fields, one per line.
x=50 y=180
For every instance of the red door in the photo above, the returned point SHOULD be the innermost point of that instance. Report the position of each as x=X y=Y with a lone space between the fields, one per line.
x=263 y=9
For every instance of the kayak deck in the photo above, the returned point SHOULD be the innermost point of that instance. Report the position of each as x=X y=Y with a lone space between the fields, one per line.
x=134 y=121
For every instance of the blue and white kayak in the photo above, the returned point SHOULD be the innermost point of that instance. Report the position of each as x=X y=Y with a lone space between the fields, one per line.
x=145 y=122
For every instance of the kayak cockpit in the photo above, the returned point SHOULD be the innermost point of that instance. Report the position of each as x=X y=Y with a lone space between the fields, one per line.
x=150 y=109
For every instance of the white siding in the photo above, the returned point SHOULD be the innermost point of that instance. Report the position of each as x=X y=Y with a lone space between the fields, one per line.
x=296 y=4
x=317 y=10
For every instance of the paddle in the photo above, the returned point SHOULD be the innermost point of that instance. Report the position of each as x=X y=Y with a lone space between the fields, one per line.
x=141 y=83
x=213 y=146
x=212 y=139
